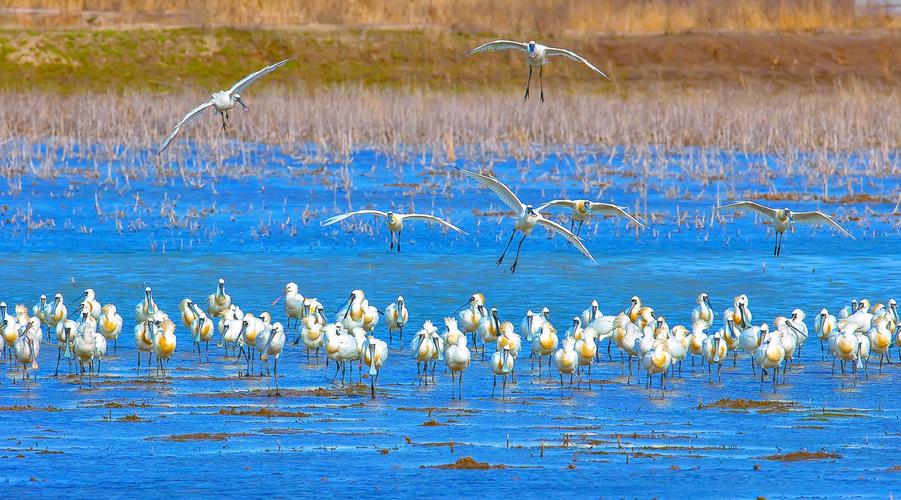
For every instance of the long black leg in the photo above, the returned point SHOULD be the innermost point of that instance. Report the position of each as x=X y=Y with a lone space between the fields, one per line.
x=529 y=82
x=541 y=82
x=398 y=242
x=501 y=259
x=391 y=245
x=224 y=124
x=518 y=248
x=579 y=231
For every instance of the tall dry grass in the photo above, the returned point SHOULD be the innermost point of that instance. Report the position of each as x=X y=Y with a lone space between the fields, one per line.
x=499 y=16
x=338 y=121
x=834 y=145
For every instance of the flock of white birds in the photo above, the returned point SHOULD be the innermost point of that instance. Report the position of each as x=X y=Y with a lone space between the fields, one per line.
x=350 y=339
x=527 y=217
x=859 y=332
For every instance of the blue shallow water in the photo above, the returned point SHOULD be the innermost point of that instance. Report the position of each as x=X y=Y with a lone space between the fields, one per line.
x=615 y=439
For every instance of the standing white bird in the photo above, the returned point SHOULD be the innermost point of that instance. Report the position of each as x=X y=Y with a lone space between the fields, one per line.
x=848 y=310
x=502 y=365
x=375 y=353
x=880 y=337
x=696 y=339
x=294 y=304
x=65 y=335
x=311 y=327
x=657 y=360
x=566 y=359
x=231 y=324
x=83 y=346
x=526 y=217
x=714 y=350
x=489 y=327
x=223 y=101
x=356 y=312
x=270 y=343
x=471 y=313
x=188 y=313
x=545 y=342
x=395 y=222
x=89 y=302
x=110 y=324
x=425 y=348
x=39 y=309
x=593 y=311
x=824 y=326
x=846 y=347
x=163 y=342
x=457 y=357
x=783 y=219
x=452 y=334
x=396 y=315
x=586 y=349
x=220 y=301
x=202 y=331
x=703 y=313
x=28 y=346
x=144 y=334
x=10 y=329
x=56 y=312
x=583 y=209
x=536 y=55
x=860 y=320
x=770 y=355
x=146 y=309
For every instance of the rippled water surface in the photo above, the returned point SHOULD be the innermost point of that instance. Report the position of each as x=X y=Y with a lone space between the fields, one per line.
x=204 y=429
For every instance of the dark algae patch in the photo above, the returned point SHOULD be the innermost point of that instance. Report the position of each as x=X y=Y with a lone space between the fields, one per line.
x=262 y=412
x=199 y=436
x=775 y=406
x=465 y=463
x=49 y=409
x=134 y=417
x=803 y=456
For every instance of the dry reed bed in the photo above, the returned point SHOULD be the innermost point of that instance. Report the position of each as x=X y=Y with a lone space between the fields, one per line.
x=580 y=16
x=336 y=122
x=842 y=143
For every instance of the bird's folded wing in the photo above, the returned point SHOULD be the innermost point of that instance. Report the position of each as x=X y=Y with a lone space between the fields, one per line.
x=551 y=51
x=744 y=206
x=432 y=218
x=611 y=209
x=819 y=218
x=247 y=80
x=499 y=45
x=340 y=217
x=557 y=203
x=501 y=190
x=191 y=114
x=572 y=238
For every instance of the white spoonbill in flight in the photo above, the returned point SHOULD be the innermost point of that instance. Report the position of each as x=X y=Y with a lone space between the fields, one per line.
x=526 y=217
x=583 y=209
x=536 y=55
x=782 y=219
x=395 y=222
x=223 y=101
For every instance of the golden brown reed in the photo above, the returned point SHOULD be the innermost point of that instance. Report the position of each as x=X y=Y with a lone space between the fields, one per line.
x=337 y=121
x=502 y=16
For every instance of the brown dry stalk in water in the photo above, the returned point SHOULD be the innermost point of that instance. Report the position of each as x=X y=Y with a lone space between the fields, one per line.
x=407 y=123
